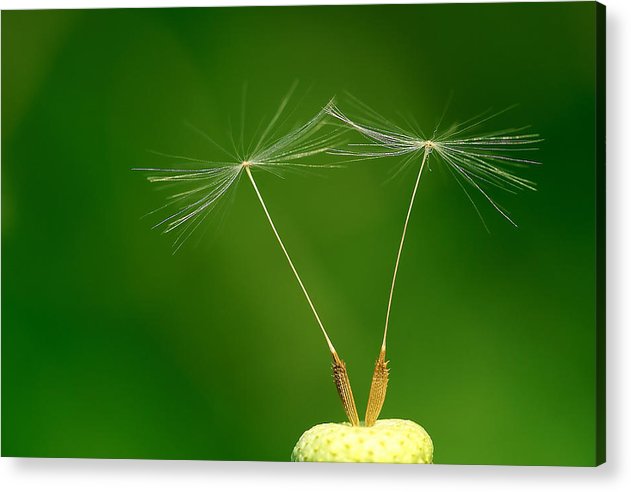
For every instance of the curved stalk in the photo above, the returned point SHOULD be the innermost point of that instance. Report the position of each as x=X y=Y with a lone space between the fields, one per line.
x=340 y=374
x=379 y=382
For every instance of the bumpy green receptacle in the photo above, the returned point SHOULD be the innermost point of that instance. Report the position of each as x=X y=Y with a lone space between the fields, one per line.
x=388 y=441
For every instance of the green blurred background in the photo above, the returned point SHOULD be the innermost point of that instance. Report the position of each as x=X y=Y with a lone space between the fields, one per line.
x=113 y=347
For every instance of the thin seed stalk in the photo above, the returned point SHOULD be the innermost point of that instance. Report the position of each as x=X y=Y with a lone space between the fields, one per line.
x=340 y=374
x=379 y=384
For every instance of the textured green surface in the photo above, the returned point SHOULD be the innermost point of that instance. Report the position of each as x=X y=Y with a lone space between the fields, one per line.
x=388 y=441
x=112 y=347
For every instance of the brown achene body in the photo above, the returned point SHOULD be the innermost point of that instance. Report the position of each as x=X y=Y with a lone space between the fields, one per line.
x=343 y=385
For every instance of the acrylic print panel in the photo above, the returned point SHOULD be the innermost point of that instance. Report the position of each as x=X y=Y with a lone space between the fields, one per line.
x=369 y=233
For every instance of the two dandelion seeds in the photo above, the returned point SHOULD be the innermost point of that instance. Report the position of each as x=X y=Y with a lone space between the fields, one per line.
x=478 y=163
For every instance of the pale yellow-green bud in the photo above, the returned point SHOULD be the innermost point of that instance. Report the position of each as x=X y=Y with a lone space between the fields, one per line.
x=388 y=441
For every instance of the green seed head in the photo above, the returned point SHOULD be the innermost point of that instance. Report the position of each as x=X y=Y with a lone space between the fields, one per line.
x=388 y=441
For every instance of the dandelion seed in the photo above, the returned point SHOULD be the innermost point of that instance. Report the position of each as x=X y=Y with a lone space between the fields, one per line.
x=201 y=190
x=478 y=161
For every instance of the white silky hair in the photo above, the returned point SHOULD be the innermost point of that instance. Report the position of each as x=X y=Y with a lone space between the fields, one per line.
x=474 y=159
x=203 y=188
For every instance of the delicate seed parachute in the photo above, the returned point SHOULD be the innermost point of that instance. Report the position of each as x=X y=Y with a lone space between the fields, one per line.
x=473 y=159
x=477 y=160
x=202 y=190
